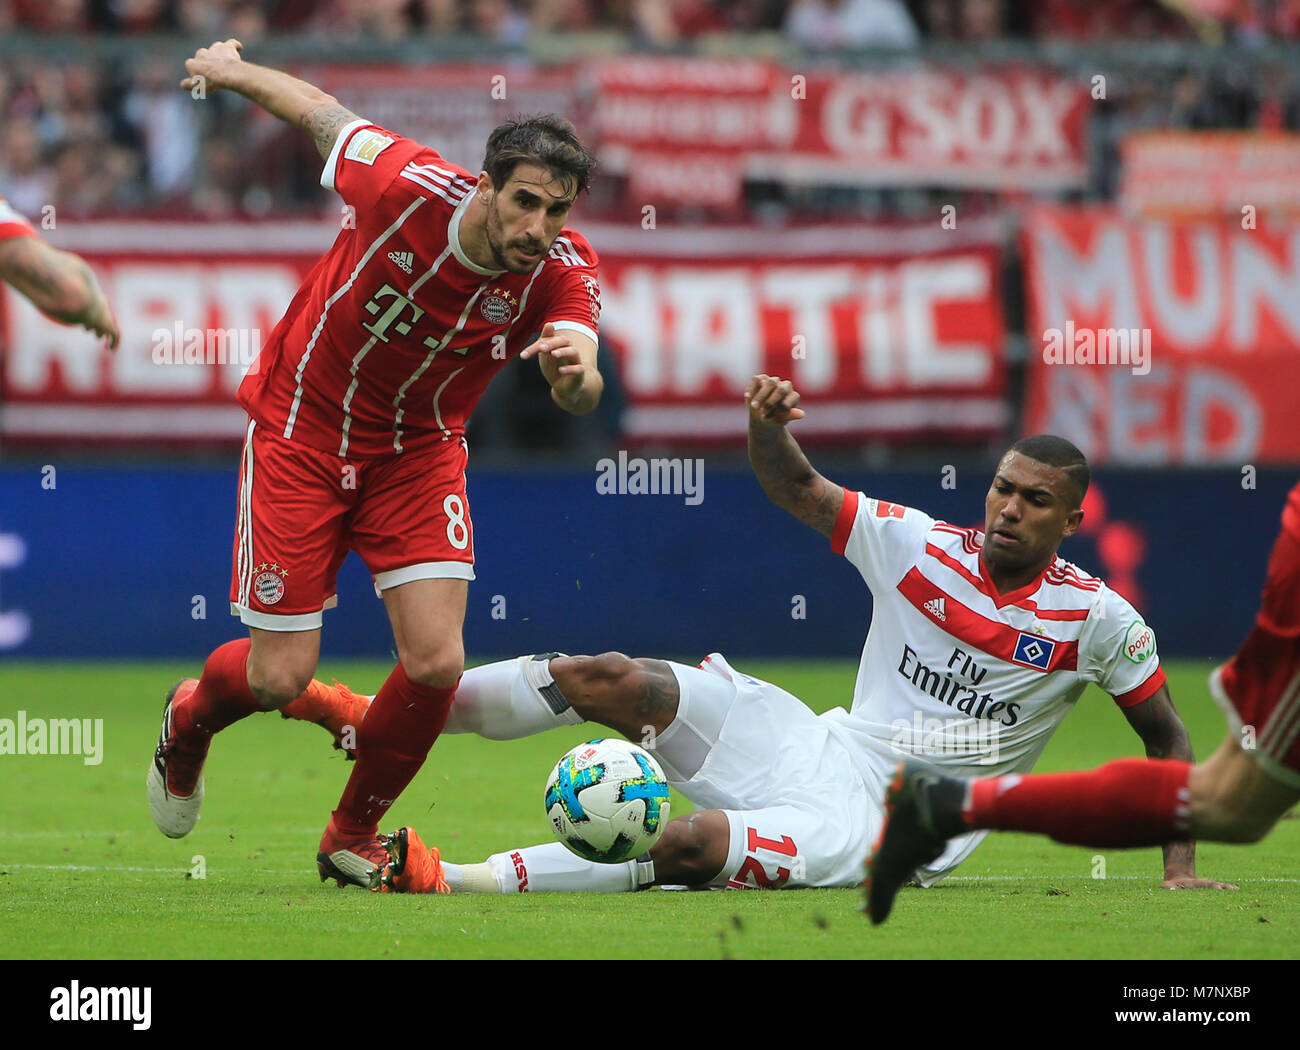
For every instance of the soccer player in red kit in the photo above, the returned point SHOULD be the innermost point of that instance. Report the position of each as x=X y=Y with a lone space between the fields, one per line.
x=357 y=409
x=1237 y=795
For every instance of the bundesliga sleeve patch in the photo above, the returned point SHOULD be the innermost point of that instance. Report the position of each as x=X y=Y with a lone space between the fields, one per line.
x=1032 y=651
x=365 y=146
x=884 y=509
x=1139 y=642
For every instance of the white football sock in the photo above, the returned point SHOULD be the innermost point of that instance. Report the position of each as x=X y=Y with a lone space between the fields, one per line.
x=551 y=867
x=470 y=878
x=508 y=700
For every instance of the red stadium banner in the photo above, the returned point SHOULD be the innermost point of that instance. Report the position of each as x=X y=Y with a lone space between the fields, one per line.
x=888 y=332
x=454 y=107
x=1246 y=175
x=885 y=332
x=1005 y=129
x=1163 y=342
x=682 y=129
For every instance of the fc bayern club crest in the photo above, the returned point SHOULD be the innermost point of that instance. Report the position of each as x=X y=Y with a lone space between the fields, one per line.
x=268 y=584
x=498 y=306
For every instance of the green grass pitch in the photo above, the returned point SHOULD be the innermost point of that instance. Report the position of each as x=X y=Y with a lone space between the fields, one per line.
x=84 y=874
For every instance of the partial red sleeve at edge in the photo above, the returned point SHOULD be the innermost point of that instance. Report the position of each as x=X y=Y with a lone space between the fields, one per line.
x=844 y=523
x=1143 y=692
x=10 y=230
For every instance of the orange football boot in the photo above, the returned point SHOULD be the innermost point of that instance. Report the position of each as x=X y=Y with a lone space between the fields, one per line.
x=412 y=866
x=334 y=707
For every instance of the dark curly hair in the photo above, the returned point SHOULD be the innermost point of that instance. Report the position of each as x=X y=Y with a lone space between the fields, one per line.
x=544 y=139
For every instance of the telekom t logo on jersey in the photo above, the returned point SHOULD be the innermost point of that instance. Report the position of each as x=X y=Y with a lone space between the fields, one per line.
x=391 y=317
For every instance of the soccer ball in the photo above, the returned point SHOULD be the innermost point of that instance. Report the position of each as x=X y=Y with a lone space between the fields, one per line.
x=607 y=801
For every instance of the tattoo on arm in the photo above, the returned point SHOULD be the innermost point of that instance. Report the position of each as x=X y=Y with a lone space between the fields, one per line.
x=1165 y=736
x=324 y=123
x=790 y=480
x=819 y=505
x=1180 y=856
x=655 y=702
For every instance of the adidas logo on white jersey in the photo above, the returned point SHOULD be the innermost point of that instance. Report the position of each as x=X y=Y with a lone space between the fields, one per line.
x=403 y=260
x=935 y=608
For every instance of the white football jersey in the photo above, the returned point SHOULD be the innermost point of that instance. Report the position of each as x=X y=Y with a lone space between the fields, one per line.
x=964 y=677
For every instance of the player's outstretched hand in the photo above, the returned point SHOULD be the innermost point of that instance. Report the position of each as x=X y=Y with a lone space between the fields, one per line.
x=211 y=66
x=1191 y=882
x=556 y=350
x=772 y=400
x=101 y=321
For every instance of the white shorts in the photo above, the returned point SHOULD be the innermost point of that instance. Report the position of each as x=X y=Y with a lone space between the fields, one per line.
x=800 y=812
x=802 y=808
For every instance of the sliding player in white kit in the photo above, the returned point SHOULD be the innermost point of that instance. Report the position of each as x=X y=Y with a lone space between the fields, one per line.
x=979 y=645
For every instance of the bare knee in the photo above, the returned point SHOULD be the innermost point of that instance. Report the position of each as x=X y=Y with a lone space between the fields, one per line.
x=1232 y=799
x=693 y=849
x=278 y=683
x=615 y=690
x=437 y=666
x=1225 y=819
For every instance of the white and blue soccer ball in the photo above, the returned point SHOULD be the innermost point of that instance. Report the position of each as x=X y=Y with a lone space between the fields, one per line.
x=607 y=800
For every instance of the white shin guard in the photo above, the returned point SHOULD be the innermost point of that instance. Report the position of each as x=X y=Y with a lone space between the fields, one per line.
x=510 y=699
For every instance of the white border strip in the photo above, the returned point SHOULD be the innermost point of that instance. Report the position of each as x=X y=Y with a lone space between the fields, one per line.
x=831 y=417
x=196 y=422
x=858 y=241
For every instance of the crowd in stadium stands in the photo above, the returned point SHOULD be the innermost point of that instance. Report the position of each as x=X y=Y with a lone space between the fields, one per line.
x=818 y=23
x=108 y=138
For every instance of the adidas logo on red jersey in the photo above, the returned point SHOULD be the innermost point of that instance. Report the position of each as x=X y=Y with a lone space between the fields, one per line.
x=935 y=608
x=403 y=260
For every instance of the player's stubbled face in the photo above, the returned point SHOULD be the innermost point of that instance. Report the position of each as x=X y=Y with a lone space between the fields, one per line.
x=525 y=217
x=1029 y=509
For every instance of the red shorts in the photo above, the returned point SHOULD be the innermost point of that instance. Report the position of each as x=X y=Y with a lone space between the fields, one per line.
x=302 y=510
x=1259 y=688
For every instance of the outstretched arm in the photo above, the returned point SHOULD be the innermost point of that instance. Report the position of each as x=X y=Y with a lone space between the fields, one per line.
x=779 y=464
x=568 y=361
x=59 y=283
x=1163 y=735
x=294 y=101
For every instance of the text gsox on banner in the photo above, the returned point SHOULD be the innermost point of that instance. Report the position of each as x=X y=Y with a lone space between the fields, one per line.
x=693 y=131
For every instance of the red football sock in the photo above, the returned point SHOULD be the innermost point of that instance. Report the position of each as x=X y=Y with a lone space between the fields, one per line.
x=1130 y=802
x=222 y=696
x=1265 y=665
x=1279 y=609
x=393 y=741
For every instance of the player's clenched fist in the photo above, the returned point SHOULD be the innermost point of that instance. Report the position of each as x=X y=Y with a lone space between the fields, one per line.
x=772 y=400
x=211 y=66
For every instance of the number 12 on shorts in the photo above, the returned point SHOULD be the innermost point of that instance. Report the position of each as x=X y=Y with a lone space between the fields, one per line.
x=783 y=847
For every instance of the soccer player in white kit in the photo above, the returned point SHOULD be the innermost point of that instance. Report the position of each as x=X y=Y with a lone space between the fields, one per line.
x=980 y=643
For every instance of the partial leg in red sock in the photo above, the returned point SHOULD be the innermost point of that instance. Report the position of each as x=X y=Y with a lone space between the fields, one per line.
x=1129 y=802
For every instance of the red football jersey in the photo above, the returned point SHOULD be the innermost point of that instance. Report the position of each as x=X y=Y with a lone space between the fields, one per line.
x=396 y=332
x=12 y=224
